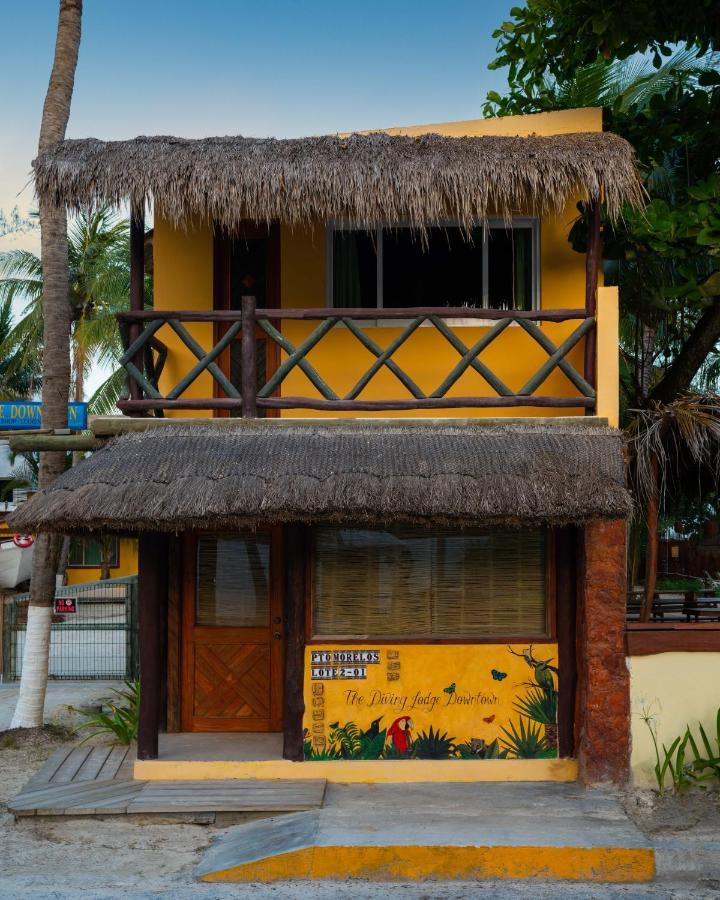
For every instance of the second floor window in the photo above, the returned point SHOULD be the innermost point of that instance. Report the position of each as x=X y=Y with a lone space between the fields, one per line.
x=88 y=552
x=492 y=267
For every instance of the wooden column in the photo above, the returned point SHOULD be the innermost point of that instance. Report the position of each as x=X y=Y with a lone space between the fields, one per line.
x=566 y=575
x=592 y=269
x=152 y=592
x=295 y=552
x=137 y=289
x=248 y=388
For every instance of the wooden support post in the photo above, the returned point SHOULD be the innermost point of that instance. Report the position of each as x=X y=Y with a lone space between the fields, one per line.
x=248 y=386
x=152 y=586
x=137 y=289
x=295 y=552
x=592 y=269
x=566 y=576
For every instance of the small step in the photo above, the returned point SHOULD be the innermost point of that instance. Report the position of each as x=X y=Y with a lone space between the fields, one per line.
x=434 y=832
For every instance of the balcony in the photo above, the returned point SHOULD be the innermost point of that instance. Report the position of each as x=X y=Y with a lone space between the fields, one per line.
x=275 y=354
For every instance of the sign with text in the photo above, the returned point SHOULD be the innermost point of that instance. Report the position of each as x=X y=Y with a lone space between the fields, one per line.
x=25 y=414
x=64 y=605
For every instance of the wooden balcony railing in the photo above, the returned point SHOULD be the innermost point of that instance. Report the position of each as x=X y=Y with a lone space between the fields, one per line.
x=144 y=369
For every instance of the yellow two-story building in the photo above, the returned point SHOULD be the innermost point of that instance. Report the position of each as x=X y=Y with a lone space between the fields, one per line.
x=369 y=450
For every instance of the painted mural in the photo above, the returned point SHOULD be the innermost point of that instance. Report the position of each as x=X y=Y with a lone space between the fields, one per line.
x=445 y=701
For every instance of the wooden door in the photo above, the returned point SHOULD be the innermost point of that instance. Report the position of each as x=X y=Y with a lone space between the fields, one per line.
x=247 y=263
x=233 y=633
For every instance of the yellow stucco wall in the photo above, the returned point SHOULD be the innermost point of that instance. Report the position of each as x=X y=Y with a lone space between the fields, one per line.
x=679 y=689
x=183 y=280
x=127 y=565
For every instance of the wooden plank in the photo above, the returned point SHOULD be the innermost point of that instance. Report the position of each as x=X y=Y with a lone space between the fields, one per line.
x=383 y=358
x=137 y=289
x=411 y=312
x=49 y=768
x=592 y=269
x=200 y=353
x=296 y=356
x=566 y=554
x=228 y=796
x=681 y=638
x=113 y=762
x=469 y=357
x=295 y=556
x=71 y=765
x=278 y=341
x=557 y=358
x=152 y=566
x=30 y=443
x=90 y=769
x=174 y=635
x=134 y=406
x=248 y=354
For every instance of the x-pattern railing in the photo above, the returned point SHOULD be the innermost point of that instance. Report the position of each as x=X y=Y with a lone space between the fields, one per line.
x=145 y=393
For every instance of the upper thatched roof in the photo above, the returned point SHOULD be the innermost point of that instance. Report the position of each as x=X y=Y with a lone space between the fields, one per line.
x=370 y=179
x=208 y=477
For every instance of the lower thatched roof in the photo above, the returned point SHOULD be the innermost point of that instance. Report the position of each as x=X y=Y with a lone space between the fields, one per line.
x=207 y=477
x=370 y=178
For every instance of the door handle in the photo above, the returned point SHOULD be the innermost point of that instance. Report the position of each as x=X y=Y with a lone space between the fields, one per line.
x=277 y=636
x=277 y=620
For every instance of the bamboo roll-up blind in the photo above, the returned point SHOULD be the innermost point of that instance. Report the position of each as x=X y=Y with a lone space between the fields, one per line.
x=442 y=583
x=232 y=580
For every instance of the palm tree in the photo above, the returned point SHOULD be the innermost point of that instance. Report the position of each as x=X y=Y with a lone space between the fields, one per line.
x=674 y=450
x=99 y=283
x=20 y=366
x=56 y=367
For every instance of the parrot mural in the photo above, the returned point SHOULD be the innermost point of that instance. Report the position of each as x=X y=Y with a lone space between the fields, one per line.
x=400 y=734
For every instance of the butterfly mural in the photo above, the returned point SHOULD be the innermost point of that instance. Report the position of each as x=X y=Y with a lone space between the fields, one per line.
x=489 y=719
x=450 y=689
x=498 y=676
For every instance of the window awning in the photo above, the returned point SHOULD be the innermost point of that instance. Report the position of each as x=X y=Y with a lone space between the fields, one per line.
x=180 y=476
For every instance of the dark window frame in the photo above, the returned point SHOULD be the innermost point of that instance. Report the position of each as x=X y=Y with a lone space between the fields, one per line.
x=530 y=222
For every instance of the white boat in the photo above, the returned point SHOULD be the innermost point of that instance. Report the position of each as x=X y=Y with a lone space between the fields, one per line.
x=15 y=564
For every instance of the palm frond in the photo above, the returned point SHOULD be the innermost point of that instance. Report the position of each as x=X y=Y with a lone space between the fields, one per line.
x=104 y=401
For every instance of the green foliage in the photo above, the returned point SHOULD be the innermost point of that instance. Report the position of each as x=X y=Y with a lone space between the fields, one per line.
x=674 y=761
x=433 y=745
x=350 y=742
x=539 y=704
x=121 y=722
x=480 y=750
x=706 y=764
x=526 y=741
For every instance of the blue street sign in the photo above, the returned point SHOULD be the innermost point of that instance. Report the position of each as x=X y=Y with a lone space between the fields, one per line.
x=22 y=414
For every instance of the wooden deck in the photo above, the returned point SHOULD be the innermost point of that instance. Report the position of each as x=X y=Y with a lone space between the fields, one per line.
x=84 y=781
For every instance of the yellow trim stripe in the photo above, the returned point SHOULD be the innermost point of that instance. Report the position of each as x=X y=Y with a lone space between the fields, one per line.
x=360 y=771
x=449 y=863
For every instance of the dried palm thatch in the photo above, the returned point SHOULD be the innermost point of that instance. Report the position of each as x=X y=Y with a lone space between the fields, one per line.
x=368 y=179
x=676 y=446
x=207 y=477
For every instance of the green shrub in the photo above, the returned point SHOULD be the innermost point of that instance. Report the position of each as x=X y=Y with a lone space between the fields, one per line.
x=121 y=722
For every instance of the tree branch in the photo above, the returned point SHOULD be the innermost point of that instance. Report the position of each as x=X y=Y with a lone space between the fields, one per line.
x=695 y=351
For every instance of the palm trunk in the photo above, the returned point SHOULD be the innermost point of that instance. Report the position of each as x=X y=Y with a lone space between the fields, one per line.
x=56 y=368
x=651 y=552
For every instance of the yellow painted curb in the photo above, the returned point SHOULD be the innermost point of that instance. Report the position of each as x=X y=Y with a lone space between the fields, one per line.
x=414 y=863
x=361 y=771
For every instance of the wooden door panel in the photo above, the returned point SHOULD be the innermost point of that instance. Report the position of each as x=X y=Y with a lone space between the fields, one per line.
x=232 y=680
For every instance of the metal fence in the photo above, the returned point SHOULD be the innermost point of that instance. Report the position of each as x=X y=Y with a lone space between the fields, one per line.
x=99 y=640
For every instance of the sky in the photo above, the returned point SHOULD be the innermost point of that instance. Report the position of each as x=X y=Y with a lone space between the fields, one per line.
x=279 y=68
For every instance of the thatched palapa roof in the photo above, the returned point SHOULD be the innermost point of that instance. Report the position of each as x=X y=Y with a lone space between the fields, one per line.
x=370 y=179
x=208 y=477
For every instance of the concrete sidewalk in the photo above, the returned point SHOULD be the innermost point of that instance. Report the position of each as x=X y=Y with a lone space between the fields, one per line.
x=59 y=695
x=441 y=831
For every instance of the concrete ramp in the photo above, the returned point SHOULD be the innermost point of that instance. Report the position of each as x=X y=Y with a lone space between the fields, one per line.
x=441 y=832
